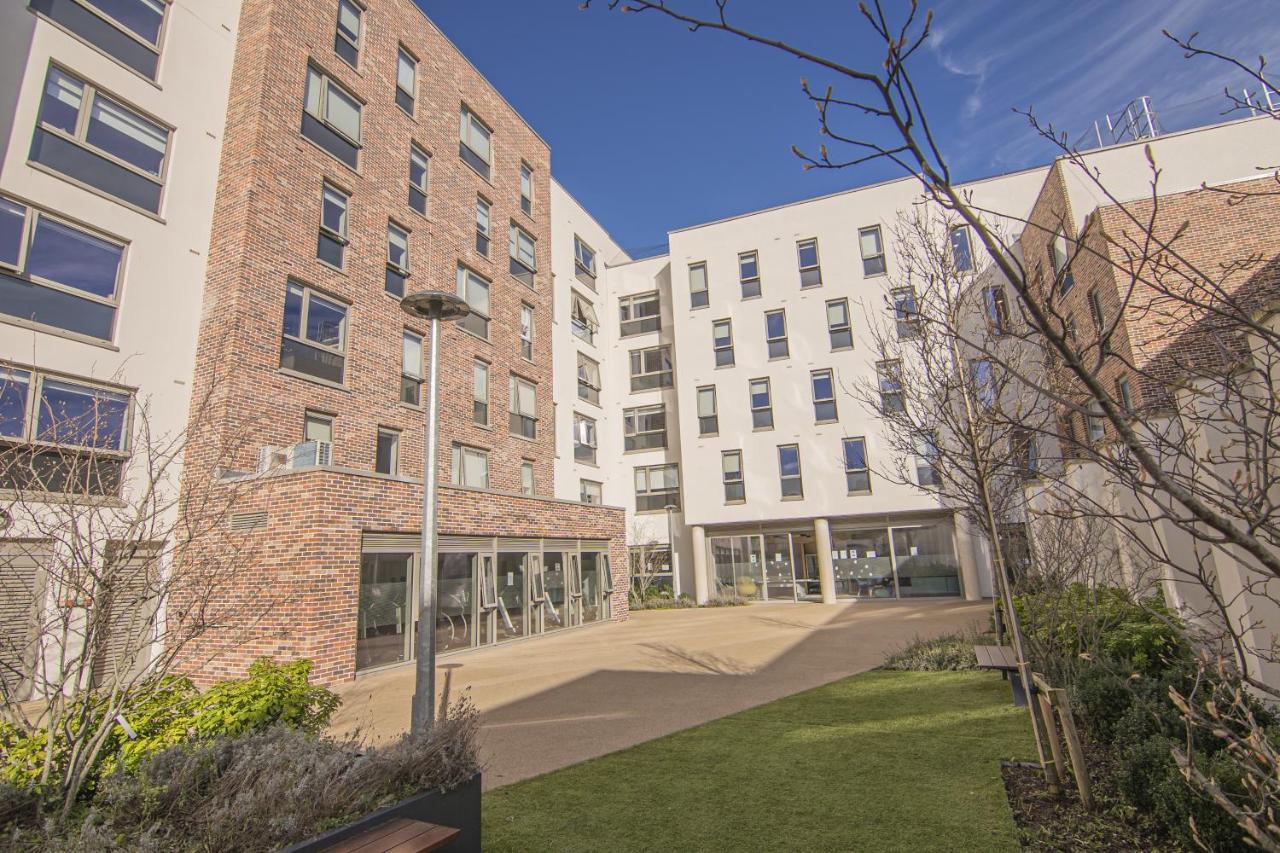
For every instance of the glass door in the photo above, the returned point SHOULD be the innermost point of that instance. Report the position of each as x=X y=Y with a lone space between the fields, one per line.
x=510 y=609
x=554 y=612
x=384 y=633
x=779 y=577
x=592 y=587
x=739 y=566
x=456 y=602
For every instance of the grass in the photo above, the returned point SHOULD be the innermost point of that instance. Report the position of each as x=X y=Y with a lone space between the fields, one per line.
x=881 y=761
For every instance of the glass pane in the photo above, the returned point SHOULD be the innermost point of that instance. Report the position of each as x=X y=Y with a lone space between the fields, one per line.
x=480 y=381
x=386 y=452
x=411 y=355
x=343 y=113
x=122 y=132
x=315 y=91
x=480 y=140
x=80 y=416
x=12 y=217
x=698 y=278
x=382 y=632
x=822 y=389
x=870 y=242
x=349 y=20
x=789 y=461
x=926 y=563
x=70 y=256
x=780 y=581
x=593 y=568
x=776 y=324
x=60 y=104
x=748 y=266
x=293 y=311
x=143 y=17
x=511 y=596
x=861 y=564
x=759 y=395
x=477 y=294
x=837 y=314
x=706 y=402
x=14 y=388
x=723 y=334
x=397 y=247
x=808 y=253
x=555 y=613
x=406 y=70
x=855 y=455
x=455 y=617
x=739 y=566
x=334 y=211
x=418 y=168
x=475 y=469
x=324 y=321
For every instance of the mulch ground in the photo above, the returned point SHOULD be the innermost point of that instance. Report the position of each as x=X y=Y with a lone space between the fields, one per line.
x=1059 y=824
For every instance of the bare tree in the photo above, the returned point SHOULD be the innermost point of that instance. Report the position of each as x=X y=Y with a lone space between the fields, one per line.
x=650 y=559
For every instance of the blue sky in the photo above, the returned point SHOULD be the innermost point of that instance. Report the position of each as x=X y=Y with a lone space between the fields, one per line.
x=652 y=127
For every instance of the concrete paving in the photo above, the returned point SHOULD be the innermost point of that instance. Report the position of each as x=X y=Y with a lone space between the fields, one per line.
x=556 y=700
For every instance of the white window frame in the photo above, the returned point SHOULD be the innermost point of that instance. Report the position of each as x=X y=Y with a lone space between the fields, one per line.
x=699 y=297
x=744 y=280
x=815 y=267
x=772 y=341
x=798 y=476
x=869 y=260
x=460 y=454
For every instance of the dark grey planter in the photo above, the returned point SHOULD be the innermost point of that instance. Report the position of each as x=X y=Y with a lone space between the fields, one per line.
x=459 y=807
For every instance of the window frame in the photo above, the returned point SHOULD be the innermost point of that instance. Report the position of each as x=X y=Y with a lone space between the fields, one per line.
x=750 y=283
x=403 y=53
x=156 y=48
x=584 y=426
x=699 y=298
x=407 y=378
x=394 y=271
x=851 y=472
x=906 y=311
x=717 y=348
x=819 y=402
x=672 y=495
x=422 y=189
x=338 y=238
x=843 y=329
x=356 y=46
x=592 y=392
x=528 y=489
x=327 y=80
x=468 y=116
x=798 y=477
x=528 y=421
x=585 y=272
x=527 y=342
x=464 y=276
x=760 y=412
x=480 y=367
x=585 y=323
x=869 y=262
x=632 y=441
x=889 y=383
x=514 y=232
x=776 y=342
x=309 y=294
x=1060 y=260
x=995 y=305
x=957 y=249
x=733 y=495
x=394 y=462
x=811 y=275
x=668 y=369
x=459 y=465
x=630 y=325
x=526 y=199
x=583 y=495
x=714 y=417
x=35 y=379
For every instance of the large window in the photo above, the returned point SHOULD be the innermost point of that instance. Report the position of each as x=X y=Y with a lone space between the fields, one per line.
x=996 y=307
x=584 y=262
x=61 y=435
x=961 y=251
x=474 y=146
x=708 y=416
x=872 y=248
x=650 y=368
x=470 y=467
x=644 y=428
x=97 y=141
x=657 y=487
x=397 y=259
x=331 y=117
x=58 y=274
x=810 y=268
x=590 y=492
x=889 y=379
x=838 y=328
x=411 y=369
x=749 y=274
x=524 y=408
x=584 y=439
x=857 y=474
x=526 y=331
x=639 y=314
x=474 y=290
x=906 y=313
x=582 y=319
x=588 y=380
x=722 y=342
x=526 y=188
x=126 y=30
x=927 y=474
x=761 y=404
x=735 y=488
x=331 y=246
x=387 y=455
x=406 y=80
x=419 y=172
x=824 y=396
x=524 y=261
x=698 y=295
x=484 y=230
x=480 y=393
x=775 y=334
x=315 y=335
x=789 y=476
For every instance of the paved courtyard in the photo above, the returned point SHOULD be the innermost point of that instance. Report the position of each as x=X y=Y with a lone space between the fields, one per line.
x=558 y=700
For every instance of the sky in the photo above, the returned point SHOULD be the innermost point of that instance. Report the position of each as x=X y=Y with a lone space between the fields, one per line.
x=654 y=128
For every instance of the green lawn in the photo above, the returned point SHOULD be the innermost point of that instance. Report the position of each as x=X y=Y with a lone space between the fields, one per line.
x=881 y=761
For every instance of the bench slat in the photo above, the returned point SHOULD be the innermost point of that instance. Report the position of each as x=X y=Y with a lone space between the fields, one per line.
x=402 y=835
x=995 y=657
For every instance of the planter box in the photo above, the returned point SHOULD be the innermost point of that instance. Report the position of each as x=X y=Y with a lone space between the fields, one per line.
x=459 y=807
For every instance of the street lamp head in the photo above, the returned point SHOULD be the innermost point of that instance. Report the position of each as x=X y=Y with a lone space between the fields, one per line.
x=434 y=305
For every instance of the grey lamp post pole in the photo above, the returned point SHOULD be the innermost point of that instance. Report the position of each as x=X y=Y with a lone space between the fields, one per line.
x=671 y=552
x=433 y=306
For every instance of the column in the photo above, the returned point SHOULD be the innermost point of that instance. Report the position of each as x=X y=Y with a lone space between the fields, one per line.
x=826 y=571
x=700 y=574
x=967 y=554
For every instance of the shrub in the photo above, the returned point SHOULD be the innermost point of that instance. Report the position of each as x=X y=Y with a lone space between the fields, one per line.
x=1101 y=699
x=950 y=652
x=726 y=601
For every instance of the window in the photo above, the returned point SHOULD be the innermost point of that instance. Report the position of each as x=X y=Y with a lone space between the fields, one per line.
x=698 y=295
x=722 y=342
x=657 y=487
x=590 y=492
x=996 y=308
x=317 y=426
x=775 y=334
x=474 y=290
x=411 y=369
x=126 y=30
x=61 y=435
x=583 y=320
x=332 y=244
x=480 y=393
x=526 y=477
x=584 y=262
x=1058 y=259
x=483 y=232
x=526 y=189
x=810 y=269
x=331 y=117
x=346 y=40
x=397 y=259
x=644 y=428
x=789 y=471
x=314 y=335
x=1025 y=453
x=708 y=417
x=905 y=311
x=639 y=314
x=474 y=143
x=824 y=396
x=838 y=324
x=761 y=404
x=749 y=274
x=470 y=467
x=387 y=458
x=524 y=408
x=1096 y=426
x=524 y=263
x=419 y=169
x=650 y=368
x=1099 y=319
x=927 y=474
x=889 y=377
x=584 y=439
x=857 y=474
x=526 y=331
x=735 y=489
x=872 y=248
x=982 y=374
x=99 y=142
x=406 y=80
x=961 y=251
x=1123 y=394
x=588 y=380
x=58 y=274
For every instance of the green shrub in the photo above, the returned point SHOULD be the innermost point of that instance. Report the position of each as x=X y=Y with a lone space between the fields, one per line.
x=1101 y=699
x=950 y=652
x=726 y=601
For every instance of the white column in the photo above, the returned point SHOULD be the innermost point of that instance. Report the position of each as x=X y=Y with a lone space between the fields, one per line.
x=700 y=574
x=826 y=571
x=967 y=556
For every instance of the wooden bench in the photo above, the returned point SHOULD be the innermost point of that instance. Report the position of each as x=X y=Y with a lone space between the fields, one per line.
x=398 y=835
x=1003 y=659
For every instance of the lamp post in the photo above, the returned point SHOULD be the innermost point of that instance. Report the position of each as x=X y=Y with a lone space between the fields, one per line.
x=433 y=306
x=671 y=552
